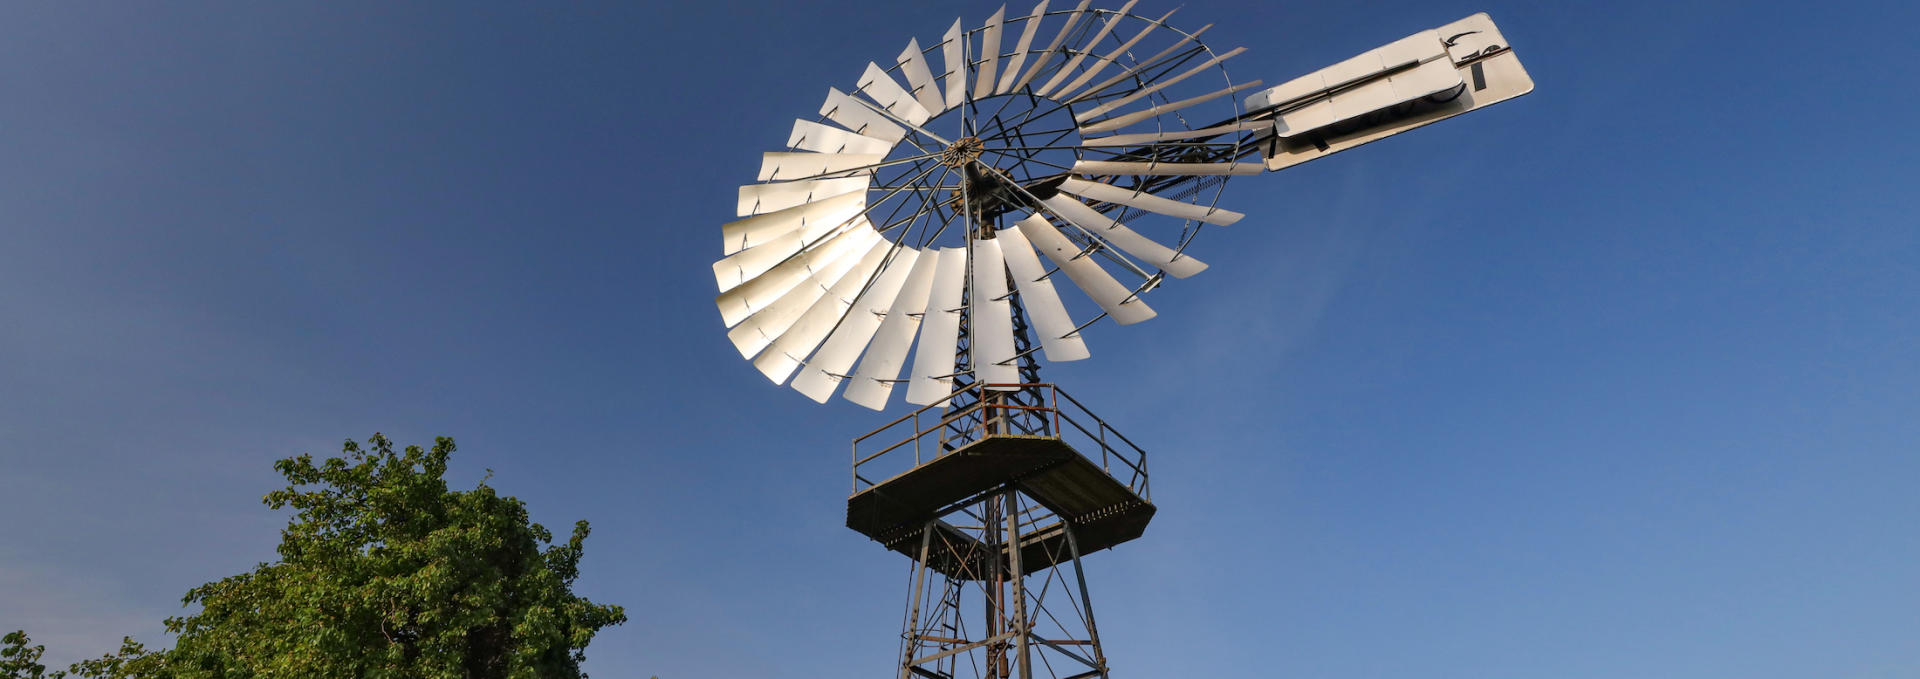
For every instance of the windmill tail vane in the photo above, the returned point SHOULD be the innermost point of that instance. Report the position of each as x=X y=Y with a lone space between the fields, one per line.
x=920 y=227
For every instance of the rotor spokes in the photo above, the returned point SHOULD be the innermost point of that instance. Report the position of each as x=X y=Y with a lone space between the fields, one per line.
x=984 y=175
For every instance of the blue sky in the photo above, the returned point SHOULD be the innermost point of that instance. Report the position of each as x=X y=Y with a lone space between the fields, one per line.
x=1617 y=379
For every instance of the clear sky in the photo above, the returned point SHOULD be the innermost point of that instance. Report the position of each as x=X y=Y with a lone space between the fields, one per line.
x=1617 y=379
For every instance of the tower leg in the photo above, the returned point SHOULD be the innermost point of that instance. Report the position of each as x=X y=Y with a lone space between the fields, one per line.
x=1020 y=627
x=990 y=620
x=1086 y=601
x=913 y=634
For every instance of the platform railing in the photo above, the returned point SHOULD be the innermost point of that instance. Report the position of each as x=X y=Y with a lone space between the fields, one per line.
x=939 y=429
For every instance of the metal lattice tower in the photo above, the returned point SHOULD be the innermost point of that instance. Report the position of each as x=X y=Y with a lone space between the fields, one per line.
x=1087 y=142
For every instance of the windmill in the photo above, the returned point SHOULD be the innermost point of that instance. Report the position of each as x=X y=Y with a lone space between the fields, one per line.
x=926 y=211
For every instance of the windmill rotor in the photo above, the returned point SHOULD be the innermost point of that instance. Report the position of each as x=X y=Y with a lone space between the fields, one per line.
x=1106 y=163
x=1090 y=142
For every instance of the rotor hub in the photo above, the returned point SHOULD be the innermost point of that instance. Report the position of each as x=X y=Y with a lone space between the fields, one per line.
x=962 y=152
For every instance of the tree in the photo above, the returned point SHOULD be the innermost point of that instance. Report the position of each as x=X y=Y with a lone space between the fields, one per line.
x=383 y=573
x=20 y=661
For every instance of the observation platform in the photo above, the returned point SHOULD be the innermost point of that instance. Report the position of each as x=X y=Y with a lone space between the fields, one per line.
x=992 y=447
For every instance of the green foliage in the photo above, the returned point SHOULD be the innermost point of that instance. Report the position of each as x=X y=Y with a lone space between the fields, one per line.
x=20 y=661
x=383 y=573
x=132 y=662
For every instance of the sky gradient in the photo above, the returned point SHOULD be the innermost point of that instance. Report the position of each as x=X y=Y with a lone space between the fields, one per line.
x=1616 y=379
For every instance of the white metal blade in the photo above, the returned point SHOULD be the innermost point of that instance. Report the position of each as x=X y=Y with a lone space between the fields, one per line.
x=955 y=53
x=1156 y=87
x=862 y=119
x=753 y=335
x=740 y=303
x=1118 y=122
x=932 y=376
x=753 y=231
x=785 y=355
x=991 y=322
x=1093 y=280
x=873 y=382
x=755 y=295
x=1097 y=167
x=1101 y=62
x=1067 y=70
x=766 y=325
x=748 y=264
x=990 y=49
x=1149 y=202
x=807 y=164
x=759 y=199
x=830 y=365
x=1129 y=71
x=1073 y=19
x=1152 y=137
x=913 y=64
x=880 y=87
x=1111 y=230
x=1057 y=335
x=1020 y=49
x=812 y=136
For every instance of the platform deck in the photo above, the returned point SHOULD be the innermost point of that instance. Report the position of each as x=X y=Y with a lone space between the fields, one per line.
x=1104 y=511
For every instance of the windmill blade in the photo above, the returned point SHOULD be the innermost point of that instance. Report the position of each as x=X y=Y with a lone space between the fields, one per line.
x=956 y=55
x=1156 y=87
x=748 y=264
x=1235 y=167
x=755 y=295
x=756 y=199
x=880 y=87
x=1149 y=202
x=764 y=328
x=779 y=361
x=1075 y=61
x=990 y=325
x=862 y=119
x=913 y=63
x=1130 y=71
x=990 y=48
x=1111 y=230
x=1153 y=137
x=804 y=165
x=1020 y=49
x=829 y=366
x=932 y=376
x=760 y=330
x=1137 y=116
x=1113 y=298
x=1058 y=335
x=812 y=136
x=759 y=229
x=880 y=369
x=1100 y=63
x=1073 y=19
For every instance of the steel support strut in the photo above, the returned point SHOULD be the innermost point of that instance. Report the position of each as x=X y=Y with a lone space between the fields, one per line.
x=993 y=618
